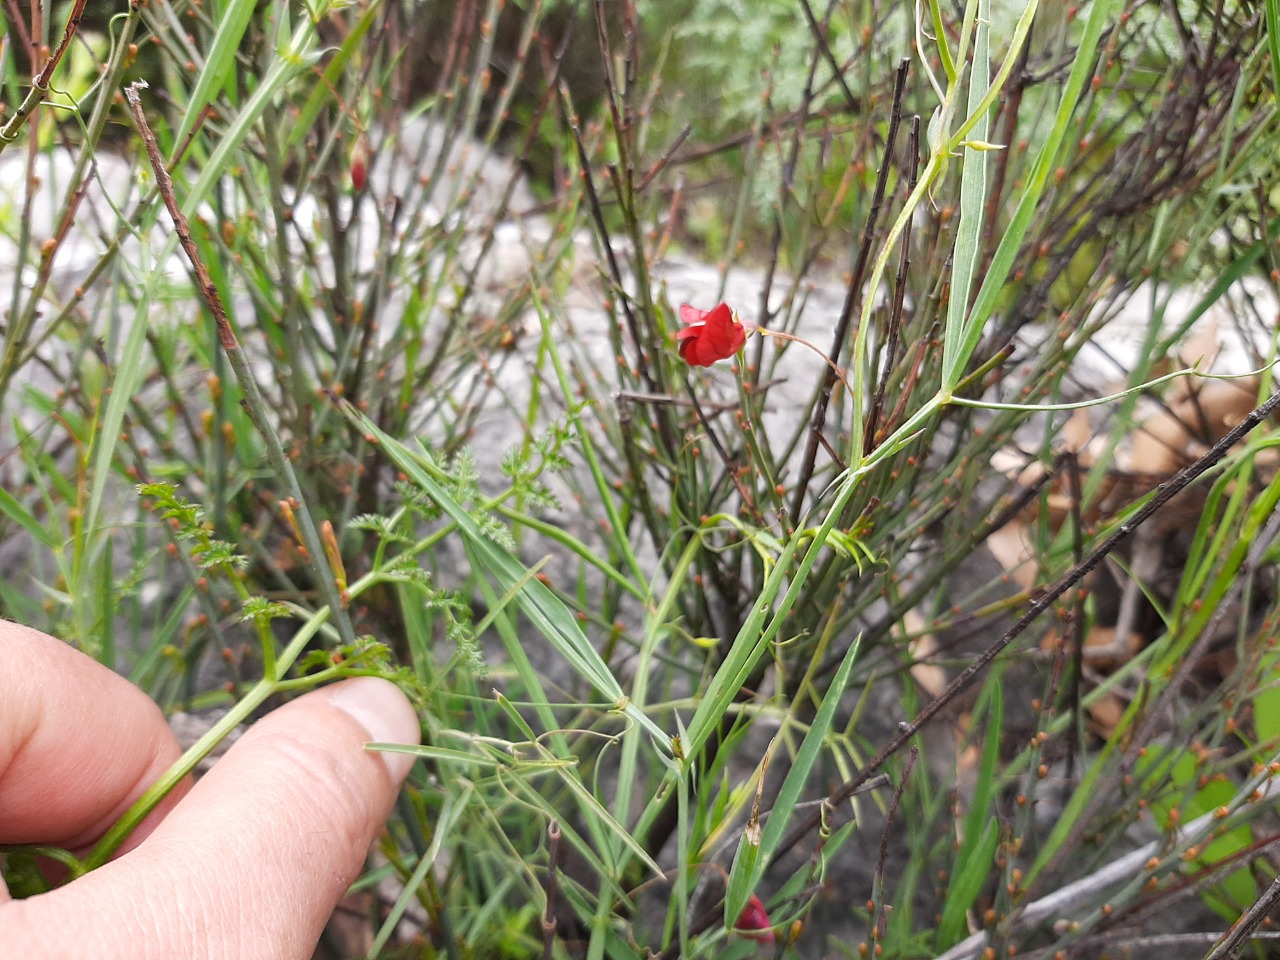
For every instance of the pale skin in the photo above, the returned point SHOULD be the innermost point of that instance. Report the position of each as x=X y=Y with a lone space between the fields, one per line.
x=247 y=863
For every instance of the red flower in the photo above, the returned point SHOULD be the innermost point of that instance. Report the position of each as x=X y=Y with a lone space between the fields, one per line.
x=710 y=335
x=753 y=922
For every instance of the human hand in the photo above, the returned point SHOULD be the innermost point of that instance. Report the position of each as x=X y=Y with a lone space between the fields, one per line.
x=249 y=862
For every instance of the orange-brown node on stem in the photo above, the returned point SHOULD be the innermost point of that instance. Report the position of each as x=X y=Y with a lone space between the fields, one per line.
x=794 y=931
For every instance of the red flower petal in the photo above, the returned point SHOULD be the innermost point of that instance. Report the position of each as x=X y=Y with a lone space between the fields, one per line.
x=711 y=335
x=691 y=315
x=753 y=922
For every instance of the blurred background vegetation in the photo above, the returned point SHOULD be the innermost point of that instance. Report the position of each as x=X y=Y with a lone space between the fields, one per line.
x=669 y=629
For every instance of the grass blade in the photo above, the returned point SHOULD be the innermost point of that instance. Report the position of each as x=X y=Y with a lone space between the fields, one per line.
x=217 y=65
x=1028 y=204
x=973 y=859
x=536 y=601
x=747 y=872
x=20 y=515
x=973 y=201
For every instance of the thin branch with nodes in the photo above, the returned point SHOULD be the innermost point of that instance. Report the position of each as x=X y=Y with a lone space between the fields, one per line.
x=254 y=405
x=841 y=333
x=40 y=83
x=1125 y=869
x=1164 y=493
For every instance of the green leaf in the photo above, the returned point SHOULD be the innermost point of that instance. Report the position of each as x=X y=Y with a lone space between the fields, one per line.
x=748 y=865
x=1266 y=702
x=973 y=859
x=289 y=64
x=218 y=65
x=536 y=601
x=973 y=201
x=20 y=515
x=967 y=883
x=1235 y=891
x=327 y=83
x=1273 y=41
x=1029 y=201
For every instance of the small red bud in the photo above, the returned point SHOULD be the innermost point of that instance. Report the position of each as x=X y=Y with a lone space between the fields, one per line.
x=359 y=165
x=753 y=922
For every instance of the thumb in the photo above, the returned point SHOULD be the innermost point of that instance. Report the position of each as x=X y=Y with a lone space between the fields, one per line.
x=252 y=862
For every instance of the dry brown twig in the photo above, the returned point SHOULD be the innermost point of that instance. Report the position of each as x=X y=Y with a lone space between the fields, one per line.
x=1061 y=902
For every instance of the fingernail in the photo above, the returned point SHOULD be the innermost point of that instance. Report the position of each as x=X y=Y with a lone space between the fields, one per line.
x=385 y=713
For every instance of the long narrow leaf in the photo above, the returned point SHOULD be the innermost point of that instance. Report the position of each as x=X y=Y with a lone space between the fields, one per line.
x=1045 y=163
x=289 y=65
x=536 y=601
x=750 y=867
x=1273 y=41
x=973 y=201
x=217 y=65
x=973 y=859
x=327 y=82
x=23 y=517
